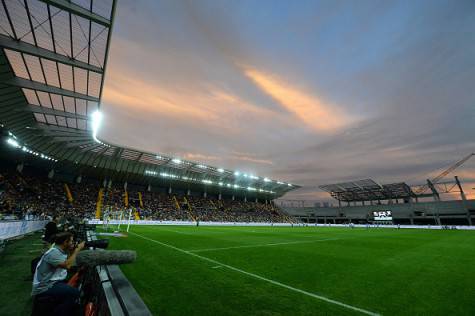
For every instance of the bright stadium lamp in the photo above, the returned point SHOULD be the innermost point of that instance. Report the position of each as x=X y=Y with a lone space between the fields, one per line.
x=96 y=123
x=177 y=161
x=236 y=173
x=13 y=143
x=220 y=170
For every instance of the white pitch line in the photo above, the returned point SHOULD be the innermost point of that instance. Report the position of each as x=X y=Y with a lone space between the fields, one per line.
x=256 y=276
x=262 y=245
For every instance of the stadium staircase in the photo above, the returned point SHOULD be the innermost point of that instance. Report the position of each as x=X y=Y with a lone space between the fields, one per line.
x=69 y=196
x=288 y=218
x=190 y=209
x=100 y=200
x=212 y=203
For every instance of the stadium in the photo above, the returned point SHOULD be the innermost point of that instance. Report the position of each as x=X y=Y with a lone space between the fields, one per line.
x=90 y=226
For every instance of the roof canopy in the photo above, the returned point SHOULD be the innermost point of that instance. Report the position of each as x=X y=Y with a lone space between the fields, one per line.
x=53 y=58
x=367 y=190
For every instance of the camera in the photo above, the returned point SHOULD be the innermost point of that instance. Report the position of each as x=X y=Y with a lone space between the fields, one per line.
x=100 y=243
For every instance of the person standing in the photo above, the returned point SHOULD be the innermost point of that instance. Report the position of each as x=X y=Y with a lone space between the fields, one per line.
x=51 y=229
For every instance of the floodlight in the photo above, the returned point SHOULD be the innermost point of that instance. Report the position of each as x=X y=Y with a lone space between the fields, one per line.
x=176 y=160
x=96 y=123
x=267 y=180
x=13 y=143
x=236 y=173
x=220 y=170
x=220 y=183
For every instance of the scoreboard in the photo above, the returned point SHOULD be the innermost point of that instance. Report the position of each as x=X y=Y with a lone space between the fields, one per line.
x=382 y=215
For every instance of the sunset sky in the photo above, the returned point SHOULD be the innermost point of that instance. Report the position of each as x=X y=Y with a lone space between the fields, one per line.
x=309 y=92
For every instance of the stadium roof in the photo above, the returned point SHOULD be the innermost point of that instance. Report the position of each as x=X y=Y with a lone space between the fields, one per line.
x=367 y=190
x=53 y=58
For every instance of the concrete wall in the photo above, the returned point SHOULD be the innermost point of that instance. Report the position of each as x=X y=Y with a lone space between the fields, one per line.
x=399 y=210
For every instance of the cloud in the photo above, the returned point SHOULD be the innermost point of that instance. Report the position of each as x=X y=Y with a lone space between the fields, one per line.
x=251 y=159
x=314 y=112
x=200 y=157
x=232 y=84
x=142 y=95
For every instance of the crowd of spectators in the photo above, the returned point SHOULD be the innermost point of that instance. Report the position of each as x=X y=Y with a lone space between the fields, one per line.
x=26 y=197
x=30 y=197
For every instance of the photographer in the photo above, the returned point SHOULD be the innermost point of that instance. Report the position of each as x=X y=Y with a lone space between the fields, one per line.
x=51 y=271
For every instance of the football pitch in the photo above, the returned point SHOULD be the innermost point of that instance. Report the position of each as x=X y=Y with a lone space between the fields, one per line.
x=186 y=270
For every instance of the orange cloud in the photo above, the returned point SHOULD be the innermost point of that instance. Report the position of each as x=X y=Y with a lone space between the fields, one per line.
x=206 y=105
x=239 y=157
x=315 y=113
x=140 y=95
x=200 y=157
x=251 y=159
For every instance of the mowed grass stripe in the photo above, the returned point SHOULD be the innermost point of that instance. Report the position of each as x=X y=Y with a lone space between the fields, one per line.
x=322 y=298
x=262 y=245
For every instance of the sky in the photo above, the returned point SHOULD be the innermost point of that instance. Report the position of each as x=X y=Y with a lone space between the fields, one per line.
x=307 y=92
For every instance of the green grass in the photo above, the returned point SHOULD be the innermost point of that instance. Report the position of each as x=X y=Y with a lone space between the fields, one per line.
x=15 y=276
x=385 y=271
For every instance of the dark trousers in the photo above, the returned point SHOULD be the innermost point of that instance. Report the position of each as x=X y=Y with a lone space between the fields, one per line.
x=67 y=298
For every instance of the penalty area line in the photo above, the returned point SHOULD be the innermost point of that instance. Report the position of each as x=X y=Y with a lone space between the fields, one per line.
x=256 y=276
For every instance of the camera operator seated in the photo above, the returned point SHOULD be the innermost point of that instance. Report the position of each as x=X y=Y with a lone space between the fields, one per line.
x=51 y=273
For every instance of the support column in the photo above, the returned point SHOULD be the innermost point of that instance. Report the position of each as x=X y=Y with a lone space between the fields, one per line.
x=464 y=200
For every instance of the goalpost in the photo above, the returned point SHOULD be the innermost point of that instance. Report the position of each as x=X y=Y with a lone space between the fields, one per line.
x=118 y=215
